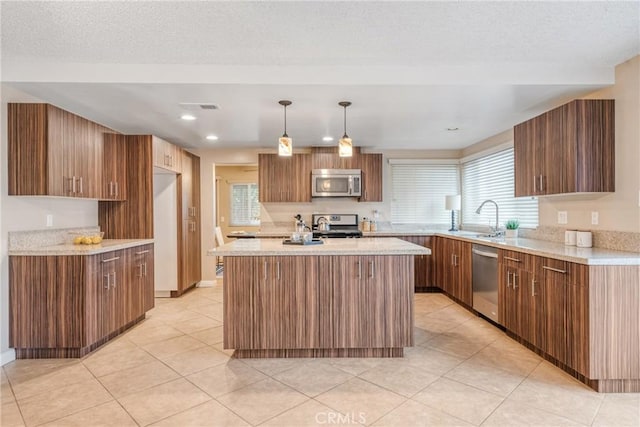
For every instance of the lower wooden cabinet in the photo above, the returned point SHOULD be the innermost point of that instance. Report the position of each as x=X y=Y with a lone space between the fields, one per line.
x=423 y=269
x=453 y=264
x=66 y=306
x=584 y=317
x=311 y=302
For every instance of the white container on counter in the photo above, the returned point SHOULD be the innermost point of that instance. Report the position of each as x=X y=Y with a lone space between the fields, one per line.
x=584 y=239
x=570 y=237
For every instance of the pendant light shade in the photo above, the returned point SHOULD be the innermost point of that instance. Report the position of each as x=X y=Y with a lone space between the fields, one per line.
x=345 y=147
x=285 y=144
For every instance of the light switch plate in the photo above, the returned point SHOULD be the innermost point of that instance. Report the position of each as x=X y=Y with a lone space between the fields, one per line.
x=595 y=217
x=49 y=220
x=562 y=217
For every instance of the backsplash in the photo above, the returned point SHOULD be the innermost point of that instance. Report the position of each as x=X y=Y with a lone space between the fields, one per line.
x=615 y=240
x=20 y=240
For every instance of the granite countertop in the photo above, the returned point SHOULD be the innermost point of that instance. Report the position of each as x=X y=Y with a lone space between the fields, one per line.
x=589 y=256
x=372 y=246
x=107 y=245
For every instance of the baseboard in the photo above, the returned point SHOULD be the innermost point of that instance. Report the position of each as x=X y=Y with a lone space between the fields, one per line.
x=206 y=284
x=7 y=356
x=162 y=294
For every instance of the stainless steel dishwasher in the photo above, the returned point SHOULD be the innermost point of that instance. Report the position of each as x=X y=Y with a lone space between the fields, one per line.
x=485 y=281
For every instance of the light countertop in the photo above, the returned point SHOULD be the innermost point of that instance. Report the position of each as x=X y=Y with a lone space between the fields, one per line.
x=268 y=247
x=107 y=245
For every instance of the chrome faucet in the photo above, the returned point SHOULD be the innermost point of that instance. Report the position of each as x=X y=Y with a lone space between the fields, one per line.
x=496 y=230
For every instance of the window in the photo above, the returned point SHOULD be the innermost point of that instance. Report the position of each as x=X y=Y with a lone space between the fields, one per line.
x=491 y=177
x=245 y=209
x=419 y=190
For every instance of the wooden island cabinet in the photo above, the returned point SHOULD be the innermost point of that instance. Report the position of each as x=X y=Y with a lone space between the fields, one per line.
x=347 y=297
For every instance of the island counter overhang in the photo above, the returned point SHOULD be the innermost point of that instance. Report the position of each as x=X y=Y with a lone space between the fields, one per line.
x=344 y=298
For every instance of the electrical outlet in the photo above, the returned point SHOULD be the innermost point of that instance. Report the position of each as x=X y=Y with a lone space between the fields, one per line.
x=594 y=218
x=562 y=217
x=221 y=219
x=49 y=220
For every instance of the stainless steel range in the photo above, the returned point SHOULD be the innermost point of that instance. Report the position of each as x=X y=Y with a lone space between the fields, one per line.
x=340 y=226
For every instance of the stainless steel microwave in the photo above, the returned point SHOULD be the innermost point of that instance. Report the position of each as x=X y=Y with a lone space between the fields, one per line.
x=336 y=183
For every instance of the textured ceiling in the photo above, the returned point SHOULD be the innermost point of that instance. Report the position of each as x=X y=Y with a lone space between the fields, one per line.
x=412 y=69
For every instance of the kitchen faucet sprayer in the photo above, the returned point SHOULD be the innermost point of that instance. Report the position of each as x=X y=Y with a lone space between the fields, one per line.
x=495 y=230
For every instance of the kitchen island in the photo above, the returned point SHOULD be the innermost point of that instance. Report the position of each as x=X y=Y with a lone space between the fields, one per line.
x=343 y=298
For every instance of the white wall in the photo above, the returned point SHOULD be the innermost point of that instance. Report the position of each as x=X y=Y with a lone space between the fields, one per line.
x=29 y=213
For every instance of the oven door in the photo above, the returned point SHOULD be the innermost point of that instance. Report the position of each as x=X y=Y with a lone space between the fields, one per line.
x=332 y=186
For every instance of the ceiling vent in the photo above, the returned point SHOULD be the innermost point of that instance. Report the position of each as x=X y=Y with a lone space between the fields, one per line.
x=199 y=106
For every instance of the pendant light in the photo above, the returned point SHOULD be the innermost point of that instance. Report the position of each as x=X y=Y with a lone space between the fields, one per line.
x=285 y=144
x=345 y=147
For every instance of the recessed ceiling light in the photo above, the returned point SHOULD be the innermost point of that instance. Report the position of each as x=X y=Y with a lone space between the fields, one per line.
x=453 y=129
x=188 y=117
x=327 y=138
x=212 y=137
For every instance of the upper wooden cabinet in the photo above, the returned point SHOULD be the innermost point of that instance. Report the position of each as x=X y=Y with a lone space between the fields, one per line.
x=166 y=155
x=53 y=152
x=284 y=179
x=569 y=149
x=371 y=166
x=114 y=167
x=328 y=158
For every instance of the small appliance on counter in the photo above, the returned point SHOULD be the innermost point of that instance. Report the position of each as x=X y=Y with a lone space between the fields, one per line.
x=340 y=226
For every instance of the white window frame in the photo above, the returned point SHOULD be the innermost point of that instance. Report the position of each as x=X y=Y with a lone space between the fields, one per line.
x=444 y=218
x=527 y=211
x=232 y=220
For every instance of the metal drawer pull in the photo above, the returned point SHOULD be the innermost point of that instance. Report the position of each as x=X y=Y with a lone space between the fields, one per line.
x=533 y=287
x=145 y=269
x=80 y=183
x=111 y=259
x=278 y=270
x=372 y=272
x=508 y=278
x=535 y=180
x=515 y=281
x=265 y=271
x=108 y=276
x=142 y=252
x=114 y=280
x=508 y=258
x=359 y=270
x=554 y=269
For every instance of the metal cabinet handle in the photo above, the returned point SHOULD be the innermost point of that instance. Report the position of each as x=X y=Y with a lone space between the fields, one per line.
x=115 y=185
x=554 y=269
x=455 y=257
x=80 y=185
x=142 y=252
x=265 y=270
x=541 y=182
x=508 y=278
x=108 y=276
x=359 y=270
x=114 y=279
x=110 y=259
x=145 y=269
x=278 y=270
x=372 y=273
x=533 y=287
x=535 y=187
x=515 y=281
x=511 y=259
x=73 y=184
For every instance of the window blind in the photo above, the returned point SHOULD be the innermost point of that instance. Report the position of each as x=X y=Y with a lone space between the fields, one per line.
x=492 y=177
x=419 y=191
x=245 y=209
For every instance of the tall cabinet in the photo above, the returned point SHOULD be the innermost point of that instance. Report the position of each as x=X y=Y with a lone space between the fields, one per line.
x=190 y=262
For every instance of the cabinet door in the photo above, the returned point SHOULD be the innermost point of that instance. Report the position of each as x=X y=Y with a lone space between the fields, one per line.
x=554 y=284
x=371 y=165
x=558 y=152
x=358 y=302
x=301 y=178
x=114 y=166
x=140 y=287
x=285 y=301
x=529 y=141
x=114 y=287
x=166 y=155
x=240 y=277
x=394 y=276
x=578 y=318
x=423 y=268
x=463 y=289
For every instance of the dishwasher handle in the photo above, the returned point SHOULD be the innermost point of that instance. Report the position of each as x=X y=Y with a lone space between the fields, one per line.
x=484 y=254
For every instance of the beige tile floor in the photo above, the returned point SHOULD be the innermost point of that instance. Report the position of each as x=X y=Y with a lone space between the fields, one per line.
x=171 y=370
